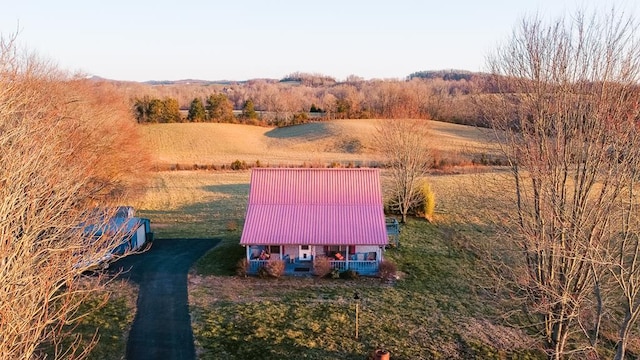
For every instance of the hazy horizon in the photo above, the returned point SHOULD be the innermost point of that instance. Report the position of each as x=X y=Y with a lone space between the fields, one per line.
x=249 y=39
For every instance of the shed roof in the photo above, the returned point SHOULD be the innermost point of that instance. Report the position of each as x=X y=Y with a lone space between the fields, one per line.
x=315 y=207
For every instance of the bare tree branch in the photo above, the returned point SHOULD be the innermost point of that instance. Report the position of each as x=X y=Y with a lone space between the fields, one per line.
x=62 y=154
x=566 y=117
x=405 y=145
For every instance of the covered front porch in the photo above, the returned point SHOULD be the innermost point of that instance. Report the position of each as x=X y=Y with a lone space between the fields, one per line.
x=298 y=260
x=295 y=267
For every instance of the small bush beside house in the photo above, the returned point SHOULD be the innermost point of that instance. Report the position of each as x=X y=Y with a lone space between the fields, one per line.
x=321 y=266
x=242 y=267
x=275 y=268
x=387 y=270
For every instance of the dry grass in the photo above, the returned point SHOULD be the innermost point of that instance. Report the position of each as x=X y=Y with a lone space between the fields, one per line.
x=195 y=203
x=203 y=203
x=173 y=190
x=455 y=137
x=322 y=143
x=207 y=204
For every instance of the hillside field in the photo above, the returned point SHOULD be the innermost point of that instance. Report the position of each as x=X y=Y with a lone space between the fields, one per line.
x=312 y=144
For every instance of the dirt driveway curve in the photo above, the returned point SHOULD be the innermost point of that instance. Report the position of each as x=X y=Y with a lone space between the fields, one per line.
x=162 y=325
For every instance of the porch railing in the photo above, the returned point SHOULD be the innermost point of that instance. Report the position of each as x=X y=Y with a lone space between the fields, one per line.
x=361 y=266
x=255 y=265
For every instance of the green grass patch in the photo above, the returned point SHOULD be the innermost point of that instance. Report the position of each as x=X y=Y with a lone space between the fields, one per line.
x=223 y=259
x=108 y=321
x=112 y=323
x=434 y=312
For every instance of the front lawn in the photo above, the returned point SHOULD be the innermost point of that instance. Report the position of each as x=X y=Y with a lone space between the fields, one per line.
x=435 y=311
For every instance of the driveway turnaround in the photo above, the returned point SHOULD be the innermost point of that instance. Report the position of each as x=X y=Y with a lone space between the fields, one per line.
x=162 y=325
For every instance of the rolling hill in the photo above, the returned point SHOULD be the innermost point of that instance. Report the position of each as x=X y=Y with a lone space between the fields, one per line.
x=317 y=143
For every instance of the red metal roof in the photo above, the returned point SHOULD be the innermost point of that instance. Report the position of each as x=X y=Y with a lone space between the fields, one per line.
x=315 y=207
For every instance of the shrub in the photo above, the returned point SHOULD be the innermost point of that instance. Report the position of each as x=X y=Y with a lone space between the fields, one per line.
x=387 y=270
x=263 y=273
x=242 y=267
x=351 y=145
x=299 y=118
x=349 y=275
x=232 y=225
x=239 y=165
x=423 y=206
x=275 y=268
x=428 y=201
x=321 y=266
x=335 y=274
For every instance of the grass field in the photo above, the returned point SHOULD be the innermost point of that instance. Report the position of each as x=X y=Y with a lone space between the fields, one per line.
x=195 y=203
x=441 y=307
x=320 y=143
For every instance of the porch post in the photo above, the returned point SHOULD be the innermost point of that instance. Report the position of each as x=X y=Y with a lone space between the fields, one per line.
x=248 y=247
x=281 y=255
x=346 y=256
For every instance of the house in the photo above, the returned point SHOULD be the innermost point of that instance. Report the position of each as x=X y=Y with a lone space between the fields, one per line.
x=298 y=215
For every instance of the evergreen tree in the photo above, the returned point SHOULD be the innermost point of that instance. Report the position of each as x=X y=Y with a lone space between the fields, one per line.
x=155 y=111
x=197 y=112
x=170 y=111
x=248 y=110
x=141 y=109
x=219 y=108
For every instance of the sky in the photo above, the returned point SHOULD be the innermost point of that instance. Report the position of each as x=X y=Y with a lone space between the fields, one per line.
x=140 y=40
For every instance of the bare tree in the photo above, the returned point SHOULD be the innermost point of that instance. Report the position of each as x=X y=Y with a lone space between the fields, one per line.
x=621 y=253
x=405 y=145
x=57 y=143
x=566 y=117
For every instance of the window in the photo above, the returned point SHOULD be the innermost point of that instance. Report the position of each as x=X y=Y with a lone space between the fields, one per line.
x=337 y=252
x=274 y=249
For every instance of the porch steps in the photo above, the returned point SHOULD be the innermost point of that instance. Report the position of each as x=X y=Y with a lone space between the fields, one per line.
x=302 y=269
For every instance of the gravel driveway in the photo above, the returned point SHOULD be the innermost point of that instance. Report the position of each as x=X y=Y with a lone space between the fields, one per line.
x=162 y=326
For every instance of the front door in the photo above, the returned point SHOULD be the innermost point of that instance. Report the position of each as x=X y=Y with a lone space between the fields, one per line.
x=305 y=253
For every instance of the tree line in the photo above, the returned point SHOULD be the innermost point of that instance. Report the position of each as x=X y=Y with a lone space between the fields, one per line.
x=444 y=96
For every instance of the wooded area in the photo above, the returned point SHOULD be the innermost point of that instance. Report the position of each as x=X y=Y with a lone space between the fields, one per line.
x=437 y=95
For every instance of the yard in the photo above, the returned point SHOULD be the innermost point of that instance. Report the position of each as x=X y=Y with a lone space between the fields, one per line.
x=438 y=309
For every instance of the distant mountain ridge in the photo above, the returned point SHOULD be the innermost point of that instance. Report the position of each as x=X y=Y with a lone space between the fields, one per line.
x=450 y=74
x=192 y=82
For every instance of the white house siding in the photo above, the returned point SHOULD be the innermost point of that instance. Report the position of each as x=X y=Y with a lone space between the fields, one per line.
x=363 y=250
x=290 y=250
